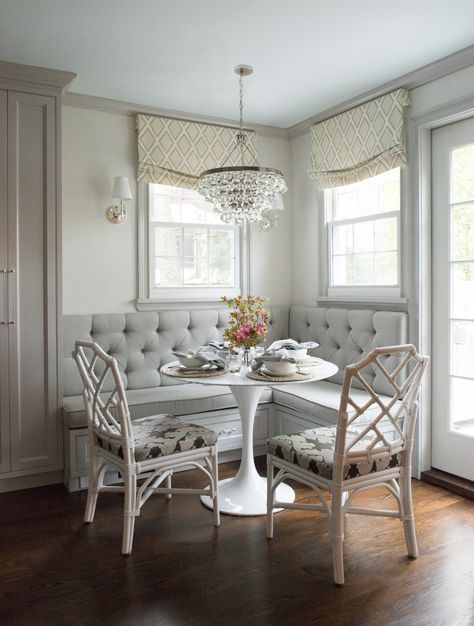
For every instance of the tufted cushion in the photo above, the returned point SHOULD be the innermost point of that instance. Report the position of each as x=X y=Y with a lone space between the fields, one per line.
x=162 y=435
x=313 y=450
x=348 y=335
x=142 y=342
x=186 y=399
x=321 y=399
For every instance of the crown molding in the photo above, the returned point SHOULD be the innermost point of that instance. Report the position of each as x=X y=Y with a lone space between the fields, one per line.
x=438 y=69
x=442 y=67
x=109 y=105
x=16 y=74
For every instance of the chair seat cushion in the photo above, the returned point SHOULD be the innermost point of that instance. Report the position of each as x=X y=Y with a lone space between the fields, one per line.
x=313 y=450
x=162 y=435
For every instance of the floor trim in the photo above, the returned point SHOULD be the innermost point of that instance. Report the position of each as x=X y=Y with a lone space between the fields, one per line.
x=459 y=486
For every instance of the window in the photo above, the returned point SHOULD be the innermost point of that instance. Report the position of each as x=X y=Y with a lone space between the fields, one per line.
x=363 y=230
x=192 y=254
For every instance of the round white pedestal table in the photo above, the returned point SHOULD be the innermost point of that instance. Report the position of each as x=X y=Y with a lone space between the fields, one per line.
x=246 y=492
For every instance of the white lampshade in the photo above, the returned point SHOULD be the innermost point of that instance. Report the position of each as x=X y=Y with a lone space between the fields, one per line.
x=121 y=188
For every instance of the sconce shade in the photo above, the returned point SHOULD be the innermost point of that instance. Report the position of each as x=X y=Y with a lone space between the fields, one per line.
x=278 y=204
x=121 y=189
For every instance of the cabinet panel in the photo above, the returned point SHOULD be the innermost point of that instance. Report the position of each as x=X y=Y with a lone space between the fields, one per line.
x=4 y=400
x=32 y=306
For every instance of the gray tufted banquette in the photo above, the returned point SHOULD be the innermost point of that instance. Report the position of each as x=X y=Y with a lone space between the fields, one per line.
x=142 y=342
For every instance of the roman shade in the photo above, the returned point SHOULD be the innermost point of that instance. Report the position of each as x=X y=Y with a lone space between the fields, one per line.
x=359 y=143
x=175 y=152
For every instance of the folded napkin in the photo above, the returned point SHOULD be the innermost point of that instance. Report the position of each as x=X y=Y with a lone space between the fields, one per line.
x=291 y=344
x=204 y=355
x=219 y=347
x=270 y=356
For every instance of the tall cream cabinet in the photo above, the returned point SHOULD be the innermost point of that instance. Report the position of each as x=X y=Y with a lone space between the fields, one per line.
x=30 y=290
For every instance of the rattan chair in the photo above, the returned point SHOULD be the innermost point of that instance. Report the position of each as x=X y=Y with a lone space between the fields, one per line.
x=371 y=446
x=150 y=447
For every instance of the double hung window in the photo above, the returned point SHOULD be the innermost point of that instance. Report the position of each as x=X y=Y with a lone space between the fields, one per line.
x=192 y=254
x=363 y=236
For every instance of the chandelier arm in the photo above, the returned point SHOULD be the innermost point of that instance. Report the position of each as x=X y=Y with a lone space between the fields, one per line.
x=252 y=154
x=236 y=147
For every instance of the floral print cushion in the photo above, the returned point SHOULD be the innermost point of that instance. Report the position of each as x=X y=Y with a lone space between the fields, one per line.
x=162 y=435
x=313 y=450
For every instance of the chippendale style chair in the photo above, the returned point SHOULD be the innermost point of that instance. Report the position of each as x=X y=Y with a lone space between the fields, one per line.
x=150 y=447
x=359 y=453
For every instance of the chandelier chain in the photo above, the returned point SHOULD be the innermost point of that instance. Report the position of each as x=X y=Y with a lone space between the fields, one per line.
x=241 y=93
x=241 y=193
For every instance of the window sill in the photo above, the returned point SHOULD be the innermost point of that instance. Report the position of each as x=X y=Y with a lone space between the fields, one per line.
x=175 y=304
x=392 y=303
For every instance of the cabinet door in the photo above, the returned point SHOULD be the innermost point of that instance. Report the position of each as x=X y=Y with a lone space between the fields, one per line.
x=4 y=400
x=33 y=282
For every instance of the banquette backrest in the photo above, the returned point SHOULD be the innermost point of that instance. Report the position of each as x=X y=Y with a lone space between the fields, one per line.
x=142 y=342
x=347 y=335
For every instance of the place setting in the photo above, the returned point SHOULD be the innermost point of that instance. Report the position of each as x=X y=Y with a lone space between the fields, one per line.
x=204 y=362
x=284 y=361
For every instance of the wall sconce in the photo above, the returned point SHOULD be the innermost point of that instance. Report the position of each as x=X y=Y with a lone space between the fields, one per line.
x=120 y=191
x=270 y=218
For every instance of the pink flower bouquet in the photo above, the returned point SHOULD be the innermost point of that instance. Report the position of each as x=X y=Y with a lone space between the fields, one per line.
x=247 y=321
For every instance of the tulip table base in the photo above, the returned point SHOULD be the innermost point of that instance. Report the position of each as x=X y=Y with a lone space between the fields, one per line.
x=248 y=496
x=246 y=493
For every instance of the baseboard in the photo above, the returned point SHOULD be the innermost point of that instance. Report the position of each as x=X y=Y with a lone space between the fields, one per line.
x=460 y=486
x=27 y=482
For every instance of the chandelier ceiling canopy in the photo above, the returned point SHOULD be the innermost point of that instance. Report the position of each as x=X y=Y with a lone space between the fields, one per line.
x=244 y=192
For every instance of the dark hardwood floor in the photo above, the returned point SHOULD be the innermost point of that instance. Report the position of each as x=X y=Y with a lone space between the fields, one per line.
x=56 y=570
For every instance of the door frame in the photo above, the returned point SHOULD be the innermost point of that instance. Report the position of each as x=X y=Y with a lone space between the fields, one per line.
x=420 y=250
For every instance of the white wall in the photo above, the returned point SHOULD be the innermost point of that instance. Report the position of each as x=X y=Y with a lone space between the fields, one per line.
x=307 y=203
x=100 y=258
x=270 y=251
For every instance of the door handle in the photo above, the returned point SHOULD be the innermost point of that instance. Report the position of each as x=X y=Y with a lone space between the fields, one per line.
x=3 y=322
x=9 y=321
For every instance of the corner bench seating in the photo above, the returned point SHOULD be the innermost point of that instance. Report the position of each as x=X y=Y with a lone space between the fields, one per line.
x=142 y=342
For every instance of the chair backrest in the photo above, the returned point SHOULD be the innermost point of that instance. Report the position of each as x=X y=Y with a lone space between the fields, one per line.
x=107 y=411
x=384 y=425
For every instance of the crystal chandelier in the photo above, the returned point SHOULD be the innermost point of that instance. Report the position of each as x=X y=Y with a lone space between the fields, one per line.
x=243 y=192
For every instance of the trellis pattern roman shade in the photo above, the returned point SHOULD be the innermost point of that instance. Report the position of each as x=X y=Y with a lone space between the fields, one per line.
x=360 y=143
x=175 y=152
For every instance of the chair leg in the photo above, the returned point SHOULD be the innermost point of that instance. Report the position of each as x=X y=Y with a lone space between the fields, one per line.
x=269 y=497
x=129 y=512
x=337 y=537
x=215 y=487
x=407 y=512
x=93 y=489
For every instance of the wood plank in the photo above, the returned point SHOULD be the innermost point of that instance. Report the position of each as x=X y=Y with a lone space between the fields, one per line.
x=183 y=571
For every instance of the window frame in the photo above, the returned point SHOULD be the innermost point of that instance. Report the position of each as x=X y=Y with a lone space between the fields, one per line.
x=363 y=293
x=186 y=296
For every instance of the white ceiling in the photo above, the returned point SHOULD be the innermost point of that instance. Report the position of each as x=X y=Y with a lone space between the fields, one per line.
x=307 y=54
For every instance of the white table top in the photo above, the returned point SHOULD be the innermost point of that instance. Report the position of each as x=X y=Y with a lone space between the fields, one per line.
x=319 y=372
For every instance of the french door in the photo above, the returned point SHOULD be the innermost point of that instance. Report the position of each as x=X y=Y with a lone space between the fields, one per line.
x=453 y=298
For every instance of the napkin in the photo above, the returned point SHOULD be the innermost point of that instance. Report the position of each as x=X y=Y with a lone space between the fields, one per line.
x=204 y=355
x=219 y=347
x=291 y=344
x=270 y=356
